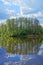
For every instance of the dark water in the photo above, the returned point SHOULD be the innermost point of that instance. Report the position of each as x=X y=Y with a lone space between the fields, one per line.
x=21 y=51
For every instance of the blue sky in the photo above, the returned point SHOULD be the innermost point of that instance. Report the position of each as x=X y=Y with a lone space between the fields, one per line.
x=18 y=8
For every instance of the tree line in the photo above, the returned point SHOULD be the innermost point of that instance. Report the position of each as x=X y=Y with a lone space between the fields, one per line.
x=21 y=27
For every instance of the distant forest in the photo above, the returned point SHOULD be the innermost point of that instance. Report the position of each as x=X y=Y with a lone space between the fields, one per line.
x=21 y=27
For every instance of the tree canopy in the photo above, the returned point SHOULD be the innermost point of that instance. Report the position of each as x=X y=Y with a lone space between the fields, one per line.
x=21 y=27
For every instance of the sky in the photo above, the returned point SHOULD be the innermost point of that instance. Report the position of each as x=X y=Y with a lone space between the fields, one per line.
x=21 y=8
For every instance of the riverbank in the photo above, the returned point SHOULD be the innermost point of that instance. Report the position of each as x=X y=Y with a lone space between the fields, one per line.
x=28 y=36
x=35 y=36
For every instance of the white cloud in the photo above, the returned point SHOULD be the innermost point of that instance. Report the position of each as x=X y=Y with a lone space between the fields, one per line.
x=6 y=2
x=22 y=4
x=2 y=21
x=38 y=14
x=41 y=25
x=10 y=12
x=13 y=2
x=12 y=17
x=24 y=7
x=19 y=2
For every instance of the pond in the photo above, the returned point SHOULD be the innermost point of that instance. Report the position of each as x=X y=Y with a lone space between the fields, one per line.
x=21 y=51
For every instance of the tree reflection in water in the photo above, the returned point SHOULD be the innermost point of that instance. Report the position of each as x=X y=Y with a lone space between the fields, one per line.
x=20 y=51
x=21 y=45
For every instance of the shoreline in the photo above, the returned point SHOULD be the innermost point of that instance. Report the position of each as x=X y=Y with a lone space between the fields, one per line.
x=29 y=36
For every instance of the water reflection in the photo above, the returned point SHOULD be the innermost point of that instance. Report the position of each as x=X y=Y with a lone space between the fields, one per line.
x=41 y=50
x=21 y=45
x=21 y=51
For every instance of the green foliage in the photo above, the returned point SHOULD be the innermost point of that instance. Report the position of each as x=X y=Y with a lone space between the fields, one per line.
x=20 y=27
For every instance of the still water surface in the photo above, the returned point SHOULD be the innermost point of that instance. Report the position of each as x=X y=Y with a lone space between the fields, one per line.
x=21 y=51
